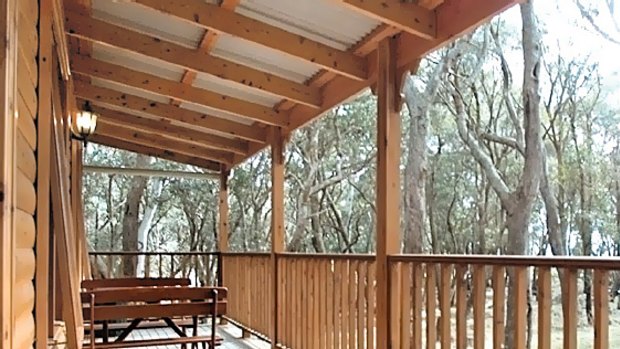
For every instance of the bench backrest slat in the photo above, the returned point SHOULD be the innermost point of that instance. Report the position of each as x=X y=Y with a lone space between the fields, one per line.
x=153 y=294
x=134 y=282
x=132 y=311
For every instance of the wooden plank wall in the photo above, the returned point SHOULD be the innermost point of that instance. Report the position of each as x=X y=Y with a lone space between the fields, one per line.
x=25 y=175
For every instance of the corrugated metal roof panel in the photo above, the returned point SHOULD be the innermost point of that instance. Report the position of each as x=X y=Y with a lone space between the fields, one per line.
x=137 y=62
x=263 y=58
x=324 y=21
x=226 y=87
x=148 y=21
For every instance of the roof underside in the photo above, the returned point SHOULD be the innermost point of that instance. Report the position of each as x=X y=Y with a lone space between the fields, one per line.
x=202 y=82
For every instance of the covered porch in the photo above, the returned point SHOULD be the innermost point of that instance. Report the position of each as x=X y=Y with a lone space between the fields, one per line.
x=210 y=84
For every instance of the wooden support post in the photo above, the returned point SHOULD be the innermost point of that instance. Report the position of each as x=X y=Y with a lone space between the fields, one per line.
x=44 y=135
x=223 y=211
x=223 y=228
x=8 y=126
x=277 y=222
x=388 y=182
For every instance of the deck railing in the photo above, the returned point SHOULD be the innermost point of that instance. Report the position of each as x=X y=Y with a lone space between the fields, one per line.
x=420 y=314
x=248 y=277
x=328 y=301
x=200 y=267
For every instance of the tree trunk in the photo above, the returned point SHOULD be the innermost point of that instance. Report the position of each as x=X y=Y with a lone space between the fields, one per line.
x=145 y=226
x=131 y=217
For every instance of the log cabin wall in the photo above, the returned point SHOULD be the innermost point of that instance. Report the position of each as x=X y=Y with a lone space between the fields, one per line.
x=26 y=174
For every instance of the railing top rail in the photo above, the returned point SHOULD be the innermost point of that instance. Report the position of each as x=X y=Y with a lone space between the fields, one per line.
x=366 y=257
x=571 y=262
x=246 y=254
x=150 y=253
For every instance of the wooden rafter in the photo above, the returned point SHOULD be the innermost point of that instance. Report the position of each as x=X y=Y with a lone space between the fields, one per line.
x=94 y=30
x=363 y=48
x=452 y=22
x=155 y=152
x=154 y=140
x=212 y=17
x=206 y=45
x=174 y=89
x=166 y=113
x=171 y=131
x=407 y=16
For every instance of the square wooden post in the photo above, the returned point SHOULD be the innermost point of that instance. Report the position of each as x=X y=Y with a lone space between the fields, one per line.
x=223 y=224
x=388 y=181
x=8 y=127
x=223 y=211
x=44 y=135
x=277 y=223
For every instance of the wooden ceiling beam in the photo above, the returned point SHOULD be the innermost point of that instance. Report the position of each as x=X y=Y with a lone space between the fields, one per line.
x=454 y=19
x=166 y=112
x=452 y=23
x=155 y=140
x=218 y=19
x=174 y=89
x=94 y=30
x=169 y=130
x=155 y=152
x=407 y=16
x=206 y=45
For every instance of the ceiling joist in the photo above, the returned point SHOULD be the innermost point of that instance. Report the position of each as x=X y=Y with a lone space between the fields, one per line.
x=166 y=112
x=180 y=133
x=213 y=17
x=178 y=90
x=197 y=61
x=155 y=152
x=156 y=140
x=406 y=16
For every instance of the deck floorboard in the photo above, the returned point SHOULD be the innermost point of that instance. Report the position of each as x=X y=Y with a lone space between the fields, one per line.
x=230 y=334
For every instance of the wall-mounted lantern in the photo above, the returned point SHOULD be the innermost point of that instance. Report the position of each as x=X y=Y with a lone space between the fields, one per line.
x=85 y=123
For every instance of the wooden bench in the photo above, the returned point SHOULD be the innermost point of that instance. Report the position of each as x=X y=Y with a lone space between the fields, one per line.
x=106 y=328
x=165 y=303
x=134 y=282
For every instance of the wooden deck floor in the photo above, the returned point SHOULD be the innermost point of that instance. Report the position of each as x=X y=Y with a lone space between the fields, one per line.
x=230 y=333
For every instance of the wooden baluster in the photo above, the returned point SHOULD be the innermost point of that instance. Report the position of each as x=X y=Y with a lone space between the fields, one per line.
x=405 y=305
x=330 y=305
x=417 y=294
x=571 y=315
x=544 y=308
x=431 y=305
x=305 y=315
x=444 y=295
x=315 y=304
x=323 y=327
x=480 y=288
x=172 y=272
x=290 y=310
x=147 y=266
x=521 y=286
x=344 y=307
x=281 y=300
x=195 y=269
x=461 y=307
x=299 y=333
x=499 y=306
x=353 y=265
x=337 y=301
x=371 y=305
x=361 y=303
x=601 y=309
x=161 y=270
x=394 y=303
